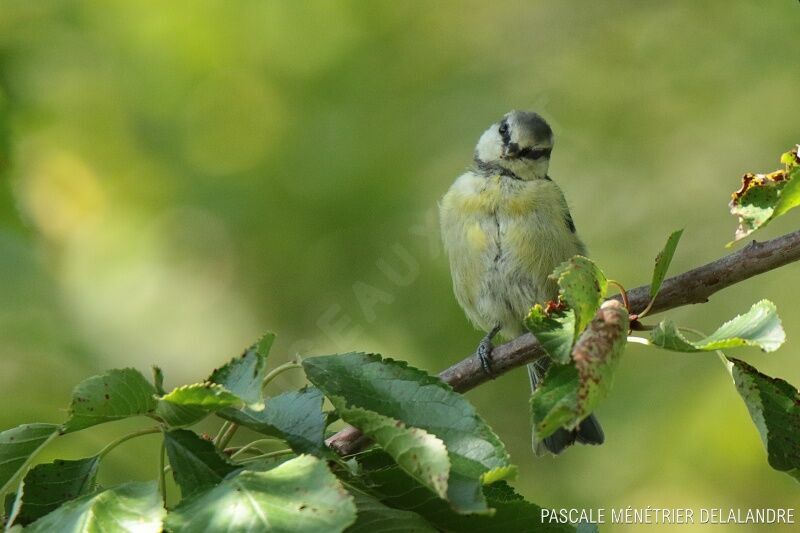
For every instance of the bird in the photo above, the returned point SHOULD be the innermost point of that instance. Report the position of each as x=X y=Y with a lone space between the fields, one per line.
x=505 y=227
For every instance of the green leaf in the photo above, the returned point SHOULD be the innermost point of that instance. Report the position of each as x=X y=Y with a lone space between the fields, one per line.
x=582 y=286
x=663 y=260
x=243 y=375
x=764 y=197
x=50 y=485
x=113 y=396
x=264 y=345
x=597 y=356
x=432 y=432
x=790 y=194
x=294 y=416
x=569 y=393
x=380 y=477
x=298 y=495
x=774 y=406
x=19 y=445
x=158 y=380
x=196 y=463
x=12 y=507
x=791 y=158
x=189 y=404
x=133 y=507
x=512 y=513
x=554 y=402
x=760 y=327
x=555 y=331
x=418 y=452
x=375 y=517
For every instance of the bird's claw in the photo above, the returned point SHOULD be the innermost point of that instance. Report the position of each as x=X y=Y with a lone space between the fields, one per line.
x=485 y=349
x=484 y=355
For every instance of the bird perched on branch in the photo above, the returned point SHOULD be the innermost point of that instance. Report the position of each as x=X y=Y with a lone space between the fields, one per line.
x=506 y=226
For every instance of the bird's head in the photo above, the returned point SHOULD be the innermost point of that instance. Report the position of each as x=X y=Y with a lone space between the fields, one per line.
x=519 y=143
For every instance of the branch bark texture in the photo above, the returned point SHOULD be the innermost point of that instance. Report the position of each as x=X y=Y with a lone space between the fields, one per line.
x=692 y=287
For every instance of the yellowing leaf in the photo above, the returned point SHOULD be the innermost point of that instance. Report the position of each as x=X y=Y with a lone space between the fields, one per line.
x=764 y=197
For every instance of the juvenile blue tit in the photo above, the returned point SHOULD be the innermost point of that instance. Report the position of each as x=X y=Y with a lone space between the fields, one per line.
x=506 y=226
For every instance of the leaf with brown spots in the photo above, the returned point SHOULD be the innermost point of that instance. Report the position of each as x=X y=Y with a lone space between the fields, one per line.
x=117 y=394
x=50 y=485
x=570 y=392
x=774 y=406
x=764 y=197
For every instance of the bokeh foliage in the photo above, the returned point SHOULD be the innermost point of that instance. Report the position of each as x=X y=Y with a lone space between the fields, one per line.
x=178 y=177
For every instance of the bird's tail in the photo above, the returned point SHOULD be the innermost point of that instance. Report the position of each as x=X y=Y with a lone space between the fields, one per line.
x=587 y=432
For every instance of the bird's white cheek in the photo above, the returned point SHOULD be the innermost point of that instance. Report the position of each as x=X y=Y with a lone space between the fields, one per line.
x=489 y=146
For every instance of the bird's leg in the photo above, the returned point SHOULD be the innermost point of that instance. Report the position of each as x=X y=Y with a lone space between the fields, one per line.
x=485 y=350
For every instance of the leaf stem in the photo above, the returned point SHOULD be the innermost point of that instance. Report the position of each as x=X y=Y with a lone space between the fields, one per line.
x=113 y=444
x=162 y=478
x=646 y=309
x=222 y=430
x=639 y=340
x=226 y=438
x=623 y=293
x=249 y=446
x=272 y=374
x=692 y=330
x=722 y=357
x=276 y=453
x=16 y=507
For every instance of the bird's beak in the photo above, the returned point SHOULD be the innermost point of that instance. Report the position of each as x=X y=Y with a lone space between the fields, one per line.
x=510 y=150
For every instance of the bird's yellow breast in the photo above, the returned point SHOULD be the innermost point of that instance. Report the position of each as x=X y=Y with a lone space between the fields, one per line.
x=473 y=196
x=476 y=237
x=503 y=238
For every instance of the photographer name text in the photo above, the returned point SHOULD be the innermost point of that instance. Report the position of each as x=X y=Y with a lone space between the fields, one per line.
x=658 y=515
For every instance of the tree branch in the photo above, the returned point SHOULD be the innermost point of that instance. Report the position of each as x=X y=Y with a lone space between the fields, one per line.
x=692 y=287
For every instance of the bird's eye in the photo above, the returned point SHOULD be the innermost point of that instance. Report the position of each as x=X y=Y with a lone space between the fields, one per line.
x=504 y=134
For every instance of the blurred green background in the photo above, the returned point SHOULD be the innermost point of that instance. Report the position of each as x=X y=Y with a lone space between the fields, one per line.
x=179 y=177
